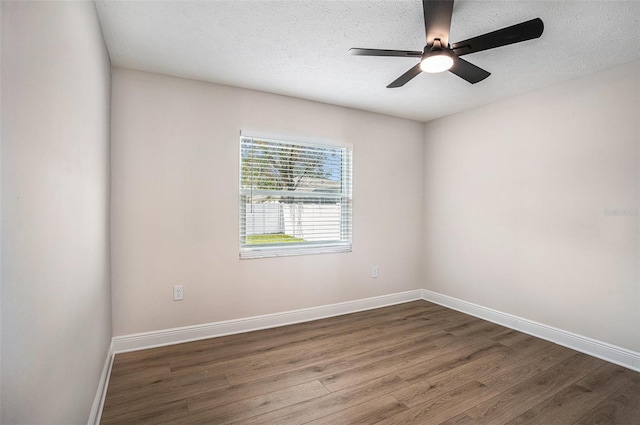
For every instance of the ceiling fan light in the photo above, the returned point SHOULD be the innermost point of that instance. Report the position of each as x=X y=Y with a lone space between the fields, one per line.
x=437 y=62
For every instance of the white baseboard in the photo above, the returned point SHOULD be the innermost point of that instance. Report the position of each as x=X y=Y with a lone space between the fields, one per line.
x=611 y=353
x=602 y=350
x=101 y=392
x=163 y=337
x=120 y=344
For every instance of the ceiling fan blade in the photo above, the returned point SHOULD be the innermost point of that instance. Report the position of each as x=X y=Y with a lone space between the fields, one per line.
x=437 y=20
x=502 y=37
x=468 y=71
x=380 y=52
x=406 y=77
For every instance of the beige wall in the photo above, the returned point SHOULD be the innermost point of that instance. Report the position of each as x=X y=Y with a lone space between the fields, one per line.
x=515 y=200
x=56 y=323
x=174 y=207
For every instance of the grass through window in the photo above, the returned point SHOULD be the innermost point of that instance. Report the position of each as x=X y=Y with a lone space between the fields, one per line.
x=273 y=238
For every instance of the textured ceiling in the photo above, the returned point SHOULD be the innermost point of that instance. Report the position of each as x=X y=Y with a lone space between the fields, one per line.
x=300 y=48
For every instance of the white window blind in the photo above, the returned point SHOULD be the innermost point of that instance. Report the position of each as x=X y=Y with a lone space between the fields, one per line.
x=295 y=198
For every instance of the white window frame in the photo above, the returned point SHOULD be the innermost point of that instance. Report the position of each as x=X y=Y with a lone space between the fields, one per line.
x=344 y=244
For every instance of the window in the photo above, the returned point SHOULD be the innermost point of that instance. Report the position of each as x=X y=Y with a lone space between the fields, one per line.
x=295 y=198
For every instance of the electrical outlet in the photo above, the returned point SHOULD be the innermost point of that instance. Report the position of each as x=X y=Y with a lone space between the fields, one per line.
x=374 y=271
x=178 y=293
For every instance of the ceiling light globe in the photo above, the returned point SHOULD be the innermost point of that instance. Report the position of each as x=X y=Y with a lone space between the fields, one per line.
x=436 y=63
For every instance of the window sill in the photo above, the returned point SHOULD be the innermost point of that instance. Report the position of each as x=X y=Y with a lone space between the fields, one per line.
x=279 y=251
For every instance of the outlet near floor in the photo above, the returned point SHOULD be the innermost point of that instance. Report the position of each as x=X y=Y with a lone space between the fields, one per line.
x=178 y=293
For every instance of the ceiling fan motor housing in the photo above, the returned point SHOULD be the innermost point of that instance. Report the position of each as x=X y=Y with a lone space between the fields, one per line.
x=436 y=58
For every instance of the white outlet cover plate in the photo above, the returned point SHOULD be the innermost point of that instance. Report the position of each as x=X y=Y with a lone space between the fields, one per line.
x=178 y=293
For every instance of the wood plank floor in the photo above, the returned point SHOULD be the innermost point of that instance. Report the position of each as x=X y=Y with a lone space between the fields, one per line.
x=413 y=363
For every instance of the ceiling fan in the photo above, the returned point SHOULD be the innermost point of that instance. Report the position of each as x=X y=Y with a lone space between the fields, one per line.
x=439 y=56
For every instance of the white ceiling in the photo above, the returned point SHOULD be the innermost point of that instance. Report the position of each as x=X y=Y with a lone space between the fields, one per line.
x=300 y=48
